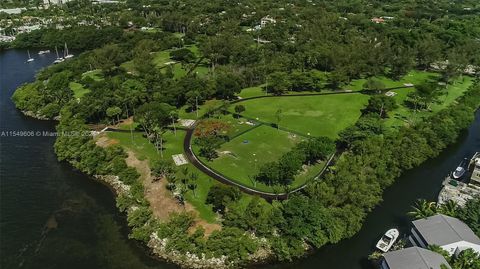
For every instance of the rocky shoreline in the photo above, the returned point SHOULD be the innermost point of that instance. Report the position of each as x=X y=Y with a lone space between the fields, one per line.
x=39 y=116
x=157 y=245
x=186 y=260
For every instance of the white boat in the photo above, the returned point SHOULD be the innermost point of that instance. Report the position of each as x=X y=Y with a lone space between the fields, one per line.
x=30 y=59
x=387 y=240
x=43 y=52
x=67 y=55
x=460 y=170
x=58 y=60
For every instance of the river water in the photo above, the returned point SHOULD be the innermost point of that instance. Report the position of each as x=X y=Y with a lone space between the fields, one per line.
x=52 y=216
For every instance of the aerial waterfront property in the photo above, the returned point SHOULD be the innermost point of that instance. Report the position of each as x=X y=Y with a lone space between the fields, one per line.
x=236 y=135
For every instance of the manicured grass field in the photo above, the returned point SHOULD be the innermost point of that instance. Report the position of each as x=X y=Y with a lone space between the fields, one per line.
x=252 y=92
x=96 y=74
x=322 y=115
x=143 y=149
x=414 y=77
x=241 y=157
x=403 y=114
x=202 y=109
x=78 y=90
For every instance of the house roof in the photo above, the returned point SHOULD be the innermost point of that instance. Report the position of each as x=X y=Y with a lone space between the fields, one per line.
x=414 y=258
x=442 y=230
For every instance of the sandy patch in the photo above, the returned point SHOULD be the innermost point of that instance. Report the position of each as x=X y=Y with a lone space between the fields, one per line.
x=161 y=200
x=104 y=141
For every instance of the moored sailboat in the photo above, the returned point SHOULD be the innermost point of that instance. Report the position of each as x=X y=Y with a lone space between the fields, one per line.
x=67 y=55
x=30 y=59
x=58 y=60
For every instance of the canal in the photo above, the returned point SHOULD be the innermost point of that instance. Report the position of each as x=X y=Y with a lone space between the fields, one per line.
x=52 y=216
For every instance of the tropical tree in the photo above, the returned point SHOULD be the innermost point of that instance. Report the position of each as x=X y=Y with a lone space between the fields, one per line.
x=467 y=259
x=174 y=116
x=239 y=109
x=374 y=85
x=381 y=104
x=423 y=209
x=279 y=83
x=113 y=112
x=450 y=208
x=163 y=169
x=193 y=183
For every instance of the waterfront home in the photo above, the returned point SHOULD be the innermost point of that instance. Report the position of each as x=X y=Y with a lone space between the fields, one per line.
x=12 y=11
x=413 y=257
x=451 y=234
x=266 y=20
x=475 y=162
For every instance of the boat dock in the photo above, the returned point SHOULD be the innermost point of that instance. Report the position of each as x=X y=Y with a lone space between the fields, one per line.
x=458 y=191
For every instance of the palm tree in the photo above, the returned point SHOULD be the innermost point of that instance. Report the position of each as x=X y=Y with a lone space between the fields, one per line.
x=449 y=208
x=467 y=259
x=193 y=183
x=423 y=209
x=174 y=116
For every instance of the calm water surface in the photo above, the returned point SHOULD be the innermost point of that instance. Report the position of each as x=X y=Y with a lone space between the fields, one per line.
x=54 y=217
x=50 y=215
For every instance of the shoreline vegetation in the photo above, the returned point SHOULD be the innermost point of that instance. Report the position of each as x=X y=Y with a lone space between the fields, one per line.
x=154 y=74
x=458 y=115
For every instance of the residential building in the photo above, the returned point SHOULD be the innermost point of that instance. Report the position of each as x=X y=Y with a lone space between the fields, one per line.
x=55 y=2
x=451 y=234
x=266 y=20
x=413 y=258
x=475 y=178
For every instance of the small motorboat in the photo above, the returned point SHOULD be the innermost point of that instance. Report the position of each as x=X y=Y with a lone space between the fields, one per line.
x=43 y=52
x=387 y=240
x=460 y=170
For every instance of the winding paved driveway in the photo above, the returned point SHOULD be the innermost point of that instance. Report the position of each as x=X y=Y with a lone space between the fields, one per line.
x=187 y=147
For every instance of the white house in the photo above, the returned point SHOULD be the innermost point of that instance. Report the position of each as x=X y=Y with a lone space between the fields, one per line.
x=449 y=233
x=55 y=2
x=413 y=258
x=266 y=20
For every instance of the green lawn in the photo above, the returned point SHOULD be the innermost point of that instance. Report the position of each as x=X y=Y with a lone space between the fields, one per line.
x=241 y=157
x=202 y=110
x=403 y=114
x=323 y=115
x=173 y=144
x=96 y=74
x=414 y=77
x=252 y=92
x=161 y=57
x=78 y=90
